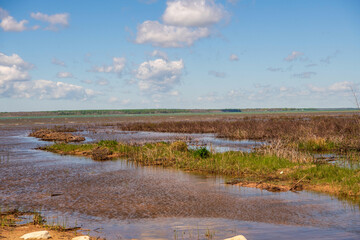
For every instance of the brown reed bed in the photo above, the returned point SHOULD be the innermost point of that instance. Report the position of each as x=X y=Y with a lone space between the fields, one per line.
x=306 y=132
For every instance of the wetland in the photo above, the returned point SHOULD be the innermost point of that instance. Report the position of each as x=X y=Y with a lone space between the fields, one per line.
x=150 y=186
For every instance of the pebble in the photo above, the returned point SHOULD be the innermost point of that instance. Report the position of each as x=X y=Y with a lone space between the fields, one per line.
x=238 y=237
x=37 y=235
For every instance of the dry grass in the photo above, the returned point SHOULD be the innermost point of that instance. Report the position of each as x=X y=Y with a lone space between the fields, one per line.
x=313 y=133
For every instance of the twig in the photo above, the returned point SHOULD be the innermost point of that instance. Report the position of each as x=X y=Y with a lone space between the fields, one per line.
x=293 y=187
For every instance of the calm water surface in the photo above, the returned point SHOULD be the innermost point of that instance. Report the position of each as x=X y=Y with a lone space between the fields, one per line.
x=119 y=200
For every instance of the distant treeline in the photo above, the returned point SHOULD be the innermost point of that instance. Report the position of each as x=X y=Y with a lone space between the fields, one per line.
x=160 y=111
x=113 y=112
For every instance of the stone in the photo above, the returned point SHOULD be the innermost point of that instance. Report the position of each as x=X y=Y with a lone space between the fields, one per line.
x=238 y=237
x=37 y=235
x=81 y=238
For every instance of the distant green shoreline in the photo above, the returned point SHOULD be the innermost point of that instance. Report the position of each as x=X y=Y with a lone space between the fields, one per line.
x=157 y=112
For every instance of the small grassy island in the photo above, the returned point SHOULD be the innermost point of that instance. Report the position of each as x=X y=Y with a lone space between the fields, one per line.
x=263 y=168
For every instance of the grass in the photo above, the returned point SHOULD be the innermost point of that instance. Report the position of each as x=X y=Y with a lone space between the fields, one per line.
x=338 y=133
x=257 y=167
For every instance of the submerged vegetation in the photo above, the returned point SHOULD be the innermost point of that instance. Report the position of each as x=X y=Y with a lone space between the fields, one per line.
x=264 y=168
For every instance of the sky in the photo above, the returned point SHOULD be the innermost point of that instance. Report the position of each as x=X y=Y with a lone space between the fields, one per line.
x=131 y=54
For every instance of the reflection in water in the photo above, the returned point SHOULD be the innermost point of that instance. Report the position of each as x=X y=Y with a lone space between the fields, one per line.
x=118 y=199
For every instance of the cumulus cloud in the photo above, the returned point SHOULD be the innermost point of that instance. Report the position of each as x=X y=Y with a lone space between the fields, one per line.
x=159 y=76
x=234 y=57
x=12 y=73
x=15 y=82
x=117 y=66
x=45 y=89
x=9 y=24
x=58 y=62
x=217 y=74
x=184 y=22
x=304 y=75
x=14 y=59
x=55 y=20
x=162 y=35
x=13 y=68
x=64 y=75
x=294 y=56
x=193 y=13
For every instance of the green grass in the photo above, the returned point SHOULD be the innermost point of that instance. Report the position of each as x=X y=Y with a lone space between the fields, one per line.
x=317 y=145
x=253 y=167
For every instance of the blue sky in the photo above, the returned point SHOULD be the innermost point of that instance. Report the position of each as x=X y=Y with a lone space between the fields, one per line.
x=178 y=54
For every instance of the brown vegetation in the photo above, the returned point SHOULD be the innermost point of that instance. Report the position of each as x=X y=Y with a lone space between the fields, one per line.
x=11 y=229
x=337 y=132
x=55 y=135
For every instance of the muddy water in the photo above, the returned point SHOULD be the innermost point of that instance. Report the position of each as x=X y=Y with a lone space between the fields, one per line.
x=119 y=200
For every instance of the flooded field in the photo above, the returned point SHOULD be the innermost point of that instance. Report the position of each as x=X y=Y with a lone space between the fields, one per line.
x=120 y=200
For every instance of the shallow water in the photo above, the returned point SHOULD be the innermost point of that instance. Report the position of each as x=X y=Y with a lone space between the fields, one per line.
x=336 y=159
x=193 y=139
x=119 y=200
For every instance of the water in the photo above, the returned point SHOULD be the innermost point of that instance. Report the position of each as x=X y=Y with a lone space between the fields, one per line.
x=336 y=159
x=119 y=200
x=194 y=140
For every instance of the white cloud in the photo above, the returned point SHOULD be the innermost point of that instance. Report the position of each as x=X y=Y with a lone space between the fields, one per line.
x=15 y=82
x=58 y=62
x=9 y=24
x=159 y=76
x=341 y=86
x=12 y=60
x=193 y=13
x=174 y=93
x=234 y=57
x=337 y=87
x=294 y=56
x=13 y=68
x=210 y=97
x=116 y=100
x=184 y=22
x=162 y=35
x=161 y=54
x=64 y=75
x=45 y=89
x=59 y=19
x=117 y=66
x=13 y=73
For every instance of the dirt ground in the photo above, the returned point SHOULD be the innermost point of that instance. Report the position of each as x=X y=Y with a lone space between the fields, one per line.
x=14 y=233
